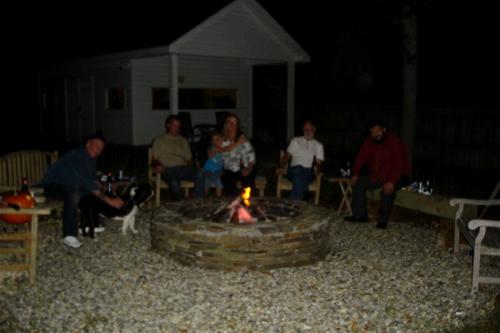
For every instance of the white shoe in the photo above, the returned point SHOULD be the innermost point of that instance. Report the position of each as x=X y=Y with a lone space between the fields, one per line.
x=72 y=241
x=96 y=229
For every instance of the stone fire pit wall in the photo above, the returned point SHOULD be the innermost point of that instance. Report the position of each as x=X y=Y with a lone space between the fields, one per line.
x=290 y=241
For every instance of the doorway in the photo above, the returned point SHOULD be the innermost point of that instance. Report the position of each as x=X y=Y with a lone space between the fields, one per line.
x=80 y=108
x=270 y=104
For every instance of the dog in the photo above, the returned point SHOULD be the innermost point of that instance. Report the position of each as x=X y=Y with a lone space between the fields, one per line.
x=134 y=197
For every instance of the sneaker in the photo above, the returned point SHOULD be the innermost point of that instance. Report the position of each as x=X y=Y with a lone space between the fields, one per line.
x=356 y=219
x=72 y=241
x=381 y=225
x=96 y=229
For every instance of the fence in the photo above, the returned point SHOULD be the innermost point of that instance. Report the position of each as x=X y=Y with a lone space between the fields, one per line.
x=456 y=149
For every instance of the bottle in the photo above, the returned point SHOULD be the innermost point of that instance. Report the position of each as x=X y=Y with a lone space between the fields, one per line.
x=109 y=184
x=25 y=186
x=120 y=174
x=348 y=170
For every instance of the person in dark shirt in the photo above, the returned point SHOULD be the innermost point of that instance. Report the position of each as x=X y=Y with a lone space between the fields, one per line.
x=384 y=155
x=72 y=179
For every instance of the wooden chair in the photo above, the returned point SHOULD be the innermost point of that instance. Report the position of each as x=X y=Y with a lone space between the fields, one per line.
x=32 y=164
x=260 y=185
x=283 y=184
x=481 y=234
x=158 y=183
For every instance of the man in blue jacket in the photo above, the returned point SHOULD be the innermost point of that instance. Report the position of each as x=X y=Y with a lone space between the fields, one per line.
x=73 y=178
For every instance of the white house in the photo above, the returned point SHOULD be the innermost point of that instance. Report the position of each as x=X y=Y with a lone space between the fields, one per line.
x=208 y=69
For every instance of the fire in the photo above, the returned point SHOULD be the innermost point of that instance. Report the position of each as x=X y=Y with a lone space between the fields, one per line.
x=244 y=216
x=245 y=196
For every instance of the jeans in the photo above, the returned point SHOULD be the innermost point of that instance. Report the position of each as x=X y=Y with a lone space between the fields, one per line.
x=70 y=195
x=174 y=175
x=386 y=200
x=301 y=178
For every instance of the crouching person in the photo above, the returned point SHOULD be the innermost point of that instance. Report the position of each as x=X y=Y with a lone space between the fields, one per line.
x=72 y=179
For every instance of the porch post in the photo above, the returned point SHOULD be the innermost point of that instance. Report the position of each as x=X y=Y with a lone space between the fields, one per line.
x=174 y=84
x=290 y=102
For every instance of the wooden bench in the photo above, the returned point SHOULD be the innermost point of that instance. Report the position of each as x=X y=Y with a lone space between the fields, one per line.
x=32 y=164
x=482 y=235
x=435 y=205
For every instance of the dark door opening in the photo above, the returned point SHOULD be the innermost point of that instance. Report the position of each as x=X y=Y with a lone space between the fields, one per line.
x=269 y=104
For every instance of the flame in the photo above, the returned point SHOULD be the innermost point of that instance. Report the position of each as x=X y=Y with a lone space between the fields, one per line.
x=245 y=196
x=244 y=216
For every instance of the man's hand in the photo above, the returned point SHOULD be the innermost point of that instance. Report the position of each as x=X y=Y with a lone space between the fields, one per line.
x=354 y=179
x=388 y=188
x=159 y=168
x=114 y=202
x=279 y=171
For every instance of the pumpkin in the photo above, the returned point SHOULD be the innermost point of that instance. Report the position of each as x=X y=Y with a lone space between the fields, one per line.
x=21 y=200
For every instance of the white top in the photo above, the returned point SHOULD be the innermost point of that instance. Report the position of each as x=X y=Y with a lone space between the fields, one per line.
x=304 y=151
x=241 y=155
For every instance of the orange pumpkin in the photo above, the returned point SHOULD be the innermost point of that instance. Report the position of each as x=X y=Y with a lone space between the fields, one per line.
x=22 y=200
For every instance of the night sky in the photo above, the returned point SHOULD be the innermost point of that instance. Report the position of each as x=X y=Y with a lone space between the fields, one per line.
x=355 y=48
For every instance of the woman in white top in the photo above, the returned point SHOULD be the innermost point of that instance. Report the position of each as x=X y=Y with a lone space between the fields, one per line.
x=239 y=162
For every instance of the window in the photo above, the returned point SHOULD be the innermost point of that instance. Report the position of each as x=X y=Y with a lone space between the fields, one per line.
x=204 y=98
x=161 y=98
x=115 y=98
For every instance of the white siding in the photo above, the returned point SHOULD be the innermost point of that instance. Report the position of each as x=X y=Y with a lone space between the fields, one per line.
x=198 y=72
x=116 y=125
x=235 y=33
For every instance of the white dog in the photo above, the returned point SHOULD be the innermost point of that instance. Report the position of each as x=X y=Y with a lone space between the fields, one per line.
x=137 y=195
x=128 y=220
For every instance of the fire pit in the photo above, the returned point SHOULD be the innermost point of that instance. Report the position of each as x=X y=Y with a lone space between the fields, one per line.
x=230 y=235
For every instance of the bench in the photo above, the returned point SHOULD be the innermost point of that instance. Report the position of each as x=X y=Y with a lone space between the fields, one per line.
x=482 y=235
x=435 y=205
x=32 y=164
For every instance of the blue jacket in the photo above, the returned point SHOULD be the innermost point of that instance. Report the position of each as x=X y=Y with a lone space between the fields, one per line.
x=75 y=169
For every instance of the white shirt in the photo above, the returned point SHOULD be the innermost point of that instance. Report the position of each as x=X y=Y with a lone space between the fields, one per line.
x=242 y=154
x=304 y=151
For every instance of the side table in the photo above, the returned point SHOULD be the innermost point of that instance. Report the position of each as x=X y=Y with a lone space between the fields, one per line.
x=346 y=189
x=29 y=238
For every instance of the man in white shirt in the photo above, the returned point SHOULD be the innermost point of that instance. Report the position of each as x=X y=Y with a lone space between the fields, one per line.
x=305 y=152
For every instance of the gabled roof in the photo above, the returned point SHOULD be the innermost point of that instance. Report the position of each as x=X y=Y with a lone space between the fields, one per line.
x=250 y=25
x=241 y=29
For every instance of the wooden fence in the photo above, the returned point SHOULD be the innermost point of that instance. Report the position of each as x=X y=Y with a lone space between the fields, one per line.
x=456 y=149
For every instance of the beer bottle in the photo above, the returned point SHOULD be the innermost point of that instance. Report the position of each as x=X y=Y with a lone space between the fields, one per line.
x=25 y=186
x=109 y=185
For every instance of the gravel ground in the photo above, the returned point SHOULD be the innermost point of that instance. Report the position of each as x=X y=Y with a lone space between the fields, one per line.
x=393 y=280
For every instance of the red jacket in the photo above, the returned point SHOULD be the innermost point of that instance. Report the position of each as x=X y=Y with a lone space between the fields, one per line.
x=387 y=161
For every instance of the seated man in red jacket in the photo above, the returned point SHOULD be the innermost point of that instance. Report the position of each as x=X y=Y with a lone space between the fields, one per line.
x=384 y=155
